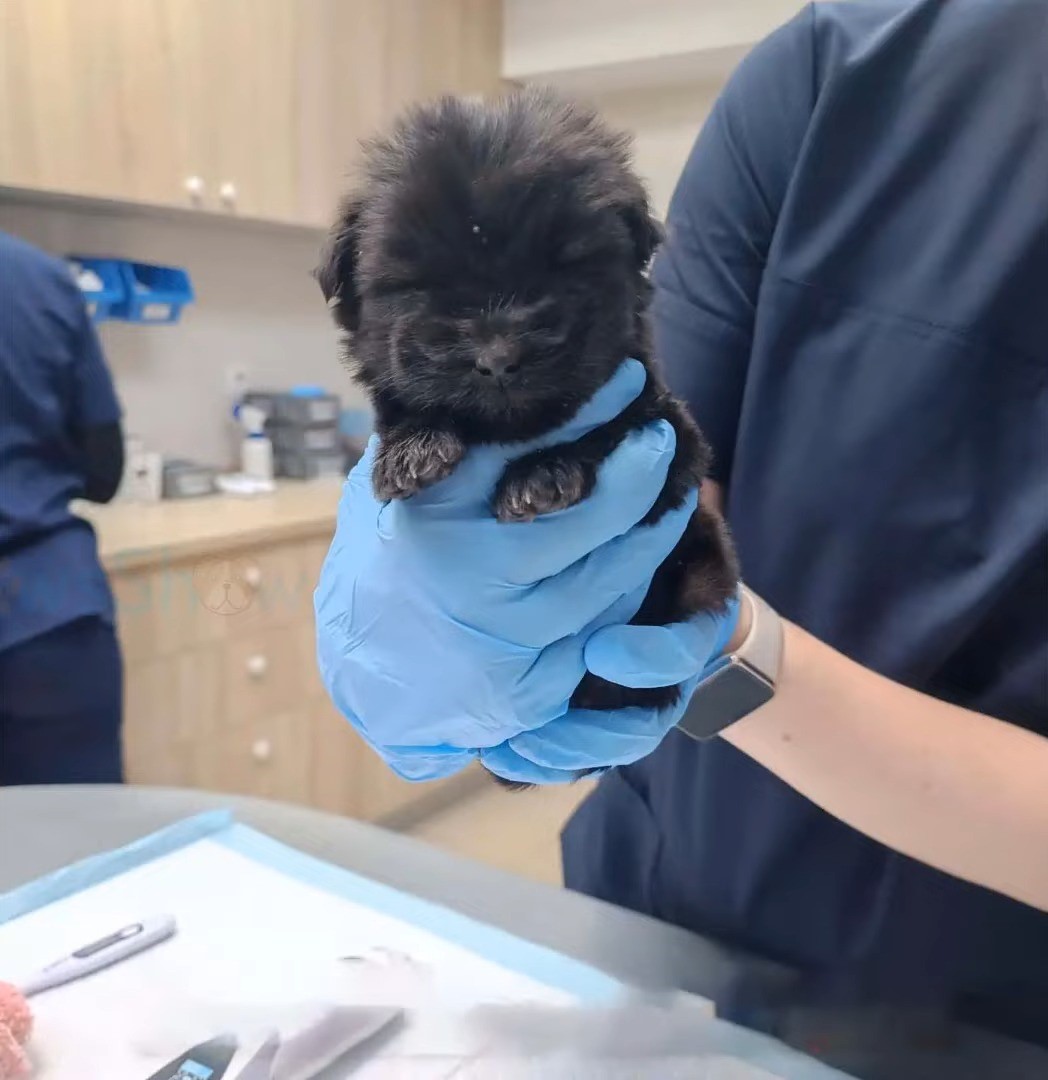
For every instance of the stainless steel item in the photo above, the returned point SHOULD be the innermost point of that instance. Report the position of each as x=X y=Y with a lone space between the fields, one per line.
x=294 y=439
x=309 y=466
x=301 y=410
x=187 y=479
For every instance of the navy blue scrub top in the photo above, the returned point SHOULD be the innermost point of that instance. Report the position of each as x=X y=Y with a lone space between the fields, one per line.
x=853 y=299
x=53 y=384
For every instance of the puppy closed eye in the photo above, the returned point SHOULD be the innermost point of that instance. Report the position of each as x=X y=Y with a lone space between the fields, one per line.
x=436 y=337
x=575 y=253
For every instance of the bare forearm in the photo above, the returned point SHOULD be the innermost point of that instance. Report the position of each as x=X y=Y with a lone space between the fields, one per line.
x=960 y=791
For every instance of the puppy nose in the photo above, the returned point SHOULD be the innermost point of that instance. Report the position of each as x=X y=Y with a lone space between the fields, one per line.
x=498 y=358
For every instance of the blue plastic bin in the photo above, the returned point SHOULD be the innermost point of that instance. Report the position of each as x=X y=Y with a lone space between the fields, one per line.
x=154 y=294
x=100 y=302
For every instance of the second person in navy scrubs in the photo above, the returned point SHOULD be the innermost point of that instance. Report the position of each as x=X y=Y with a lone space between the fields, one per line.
x=60 y=439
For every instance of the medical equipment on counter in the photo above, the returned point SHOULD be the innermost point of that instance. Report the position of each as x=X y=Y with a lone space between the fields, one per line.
x=206 y=1061
x=184 y=479
x=256 y=451
x=124 y=943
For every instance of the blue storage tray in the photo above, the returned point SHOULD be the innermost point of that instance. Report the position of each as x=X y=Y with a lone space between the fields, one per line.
x=153 y=294
x=100 y=302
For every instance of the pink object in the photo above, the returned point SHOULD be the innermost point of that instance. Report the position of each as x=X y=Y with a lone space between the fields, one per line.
x=16 y=1024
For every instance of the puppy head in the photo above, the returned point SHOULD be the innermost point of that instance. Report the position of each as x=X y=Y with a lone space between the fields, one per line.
x=491 y=267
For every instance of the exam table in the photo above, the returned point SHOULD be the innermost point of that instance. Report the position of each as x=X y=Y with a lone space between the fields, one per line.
x=44 y=828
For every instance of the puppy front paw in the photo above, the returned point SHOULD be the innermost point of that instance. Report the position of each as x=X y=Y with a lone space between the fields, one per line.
x=407 y=463
x=540 y=484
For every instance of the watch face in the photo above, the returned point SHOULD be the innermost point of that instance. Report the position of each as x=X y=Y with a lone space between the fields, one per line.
x=728 y=694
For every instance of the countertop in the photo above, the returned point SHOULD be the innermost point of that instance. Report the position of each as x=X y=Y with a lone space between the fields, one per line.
x=139 y=534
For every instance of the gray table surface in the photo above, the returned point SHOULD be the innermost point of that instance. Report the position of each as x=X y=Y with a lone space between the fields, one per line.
x=44 y=828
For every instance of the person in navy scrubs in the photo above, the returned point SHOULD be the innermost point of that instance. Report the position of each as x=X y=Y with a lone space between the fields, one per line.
x=60 y=439
x=853 y=300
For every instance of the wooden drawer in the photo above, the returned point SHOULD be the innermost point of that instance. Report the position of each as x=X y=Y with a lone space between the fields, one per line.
x=339 y=756
x=167 y=609
x=159 y=613
x=173 y=710
x=259 y=588
x=265 y=673
x=348 y=777
x=269 y=757
x=312 y=687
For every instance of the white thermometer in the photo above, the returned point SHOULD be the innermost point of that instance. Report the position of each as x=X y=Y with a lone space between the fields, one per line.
x=88 y=959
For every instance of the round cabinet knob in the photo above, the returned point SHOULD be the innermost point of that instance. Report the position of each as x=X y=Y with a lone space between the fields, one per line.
x=195 y=188
x=228 y=194
x=257 y=666
x=262 y=749
x=252 y=576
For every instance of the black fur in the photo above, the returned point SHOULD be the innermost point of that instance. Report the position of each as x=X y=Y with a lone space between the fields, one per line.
x=491 y=276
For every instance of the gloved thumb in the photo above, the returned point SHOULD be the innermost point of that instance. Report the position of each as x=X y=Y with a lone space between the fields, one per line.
x=648 y=656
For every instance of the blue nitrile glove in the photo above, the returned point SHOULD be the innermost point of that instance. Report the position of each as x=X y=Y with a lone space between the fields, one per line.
x=639 y=656
x=442 y=631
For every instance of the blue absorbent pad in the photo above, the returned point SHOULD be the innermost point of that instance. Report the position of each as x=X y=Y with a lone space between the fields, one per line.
x=586 y=985
x=544 y=965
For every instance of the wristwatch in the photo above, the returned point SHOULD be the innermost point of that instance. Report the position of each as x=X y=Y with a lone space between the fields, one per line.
x=741 y=682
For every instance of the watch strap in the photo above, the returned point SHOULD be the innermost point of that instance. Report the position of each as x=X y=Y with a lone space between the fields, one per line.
x=762 y=646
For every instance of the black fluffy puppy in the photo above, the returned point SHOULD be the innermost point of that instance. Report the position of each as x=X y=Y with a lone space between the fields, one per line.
x=490 y=275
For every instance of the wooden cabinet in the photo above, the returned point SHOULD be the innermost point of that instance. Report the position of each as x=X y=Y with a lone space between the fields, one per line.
x=252 y=107
x=86 y=98
x=253 y=68
x=382 y=55
x=222 y=689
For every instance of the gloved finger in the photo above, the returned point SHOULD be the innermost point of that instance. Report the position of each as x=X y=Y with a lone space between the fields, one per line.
x=425 y=763
x=416 y=763
x=504 y=761
x=542 y=693
x=621 y=390
x=475 y=477
x=357 y=485
x=628 y=483
x=583 y=738
x=558 y=606
x=647 y=656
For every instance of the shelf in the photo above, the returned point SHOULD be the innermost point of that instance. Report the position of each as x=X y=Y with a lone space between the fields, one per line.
x=207 y=219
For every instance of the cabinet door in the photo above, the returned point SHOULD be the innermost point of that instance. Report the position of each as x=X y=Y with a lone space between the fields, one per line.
x=253 y=101
x=379 y=56
x=451 y=47
x=173 y=717
x=93 y=97
x=269 y=757
x=339 y=754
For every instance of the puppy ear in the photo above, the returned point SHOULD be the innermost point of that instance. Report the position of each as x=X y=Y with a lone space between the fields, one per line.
x=337 y=272
x=645 y=231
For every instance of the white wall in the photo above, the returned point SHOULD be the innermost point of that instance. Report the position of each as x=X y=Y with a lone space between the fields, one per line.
x=653 y=67
x=551 y=35
x=257 y=306
x=664 y=122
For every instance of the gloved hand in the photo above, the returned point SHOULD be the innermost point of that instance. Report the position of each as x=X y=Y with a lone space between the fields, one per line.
x=636 y=656
x=441 y=631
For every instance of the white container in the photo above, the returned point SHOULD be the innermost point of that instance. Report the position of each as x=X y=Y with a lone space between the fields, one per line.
x=256 y=458
x=143 y=479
